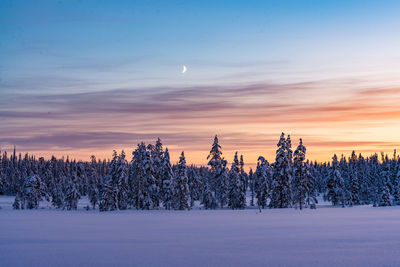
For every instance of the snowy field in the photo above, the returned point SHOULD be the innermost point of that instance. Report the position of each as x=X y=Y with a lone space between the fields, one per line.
x=358 y=236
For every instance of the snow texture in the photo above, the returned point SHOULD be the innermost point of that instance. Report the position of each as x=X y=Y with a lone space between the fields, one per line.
x=327 y=236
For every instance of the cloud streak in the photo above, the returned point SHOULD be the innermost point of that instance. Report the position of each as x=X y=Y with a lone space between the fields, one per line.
x=249 y=118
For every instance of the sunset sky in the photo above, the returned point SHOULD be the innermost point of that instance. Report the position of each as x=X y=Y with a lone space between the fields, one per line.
x=86 y=77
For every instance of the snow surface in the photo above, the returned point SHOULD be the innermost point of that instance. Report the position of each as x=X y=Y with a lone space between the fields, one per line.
x=328 y=236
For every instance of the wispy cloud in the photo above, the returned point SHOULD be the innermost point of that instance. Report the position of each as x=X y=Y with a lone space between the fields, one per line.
x=249 y=118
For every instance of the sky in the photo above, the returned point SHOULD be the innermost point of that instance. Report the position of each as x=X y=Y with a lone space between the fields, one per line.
x=86 y=77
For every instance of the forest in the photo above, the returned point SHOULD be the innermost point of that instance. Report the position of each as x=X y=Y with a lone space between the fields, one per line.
x=149 y=181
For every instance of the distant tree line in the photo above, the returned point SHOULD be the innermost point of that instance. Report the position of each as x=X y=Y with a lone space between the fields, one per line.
x=149 y=181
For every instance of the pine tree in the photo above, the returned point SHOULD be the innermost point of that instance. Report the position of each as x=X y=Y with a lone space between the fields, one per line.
x=354 y=181
x=109 y=190
x=355 y=199
x=182 y=187
x=335 y=184
x=385 y=197
x=32 y=192
x=236 y=196
x=93 y=189
x=243 y=176
x=150 y=200
x=71 y=193
x=218 y=175
x=281 y=196
x=208 y=198
x=58 y=191
x=145 y=189
x=195 y=185
x=262 y=182
x=82 y=182
x=300 y=186
x=157 y=153
x=168 y=182
x=385 y=185
x=251 y=186
x=311 y=198
x=396 y=187
x=120 y=177
x=375 y=180
x=364 y=181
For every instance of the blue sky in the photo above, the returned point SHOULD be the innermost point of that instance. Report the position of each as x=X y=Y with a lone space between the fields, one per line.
x=325 y=52
x=134 y=43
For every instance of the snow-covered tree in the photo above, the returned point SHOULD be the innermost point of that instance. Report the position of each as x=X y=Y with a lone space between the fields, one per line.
x=385 y=197
x=145 y=189
x=236 y=196
x=32 y=192
x=251 y=186
x=168 y=182
x=208 y=197
x=262 y=181
x=150 y=179
x=300 y=185
x=182 y=187
x=93 y=180
x=335 y=184
x=385 y=185
x=376 y=186
x=281 y=196
x=157 y=153
x=120 y=176
x=311 y=198
x=109 y=190
x=218 y=175
x=396 y=182
x=71 y=194
x=244 y=177
x=354 y=187
x=195 y=185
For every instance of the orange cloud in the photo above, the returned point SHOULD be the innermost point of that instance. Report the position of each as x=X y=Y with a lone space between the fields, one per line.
x=331 y=116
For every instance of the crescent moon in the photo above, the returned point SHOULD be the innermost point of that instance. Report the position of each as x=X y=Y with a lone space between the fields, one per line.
x=184 y=69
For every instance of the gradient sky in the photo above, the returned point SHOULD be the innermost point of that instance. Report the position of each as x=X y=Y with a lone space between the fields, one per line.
x=85 y=77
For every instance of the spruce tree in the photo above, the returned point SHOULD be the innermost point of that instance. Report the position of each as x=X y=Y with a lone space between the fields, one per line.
x=281 y=196
x=218 y=181
x=157 y=154
x=120 y=177
x=374 y=175
x=236 y=196
x=300 y=186
x=182 y=187
x=195 y=185
x=71 y=193
x=396 y=185
x=364 y=182
x=385 y=185
x=385 y=197
x=311 y=198
x=243 y=175
x=335 y=184
x=251 y=186
x=109 y=190
x=354 y=181
x=32 y=192
x=168 y=182
x=93 y=189
x=145 y=189
x=208 y=198
x=262 y=181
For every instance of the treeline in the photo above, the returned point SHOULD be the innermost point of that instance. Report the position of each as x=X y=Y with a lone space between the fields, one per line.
x=150 y=181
